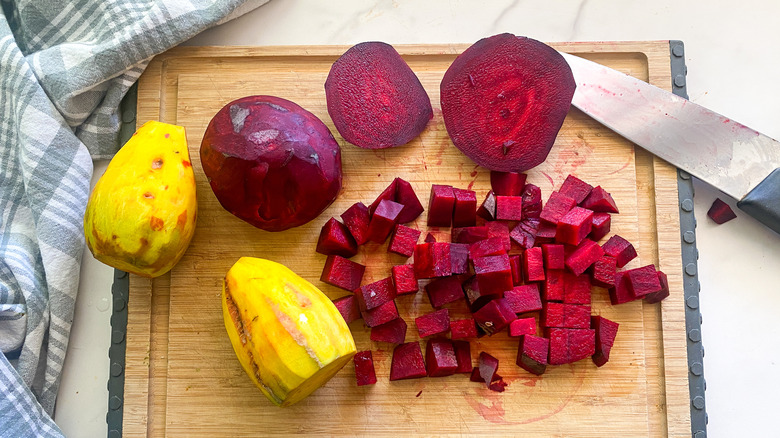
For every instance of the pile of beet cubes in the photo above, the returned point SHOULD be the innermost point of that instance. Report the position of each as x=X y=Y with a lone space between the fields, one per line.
x=525 y=260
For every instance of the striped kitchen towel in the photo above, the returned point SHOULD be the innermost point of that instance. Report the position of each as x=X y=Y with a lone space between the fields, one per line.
x=64 y=67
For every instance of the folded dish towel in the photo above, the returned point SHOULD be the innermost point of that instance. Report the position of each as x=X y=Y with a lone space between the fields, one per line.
x=64 y=68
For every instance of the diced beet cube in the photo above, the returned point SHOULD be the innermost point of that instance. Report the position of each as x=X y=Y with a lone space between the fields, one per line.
x=565 y=315
x=546 y=232
x=533 y=264
x=494 y=275
x=487 y=210
x=559 y=346
x=442 y=261
x=393 y=332
x=348 y=308
x=463 y=356
x=516 y=264
x=356 y=219
x=643 y=281
x=444 y=290
x=441 y=206
x=440 y=359
x=380 y=315
x=532 y=354
x=569 y=345
x=405 y=195
x=488 y=366
x=383 y=220
x=433 y=323
x=430 y=260
x=407 y=362
x=620 y=293
x=474 y=296
x=575 y=188
x=459 y=258
x=463 y=328
x=342 y=273
x=499 y=230
x=404 y=240
x=494 y=316
x=387 y=194
x=599 y=200
x=604 y=271
x=576 y=288
x=335 y=239
x=532 y=201
x=553 y=315
x=375 y=294
x=525 y=232
x=602 y=222
x=659 y=296
x=469 y=234
x=619 y=248
x=574 y=226
x=553 y=286
x=487 y=247
x=509 y=208
x=507 y=183
x=524 y=298
x=522 y=326
x=475 y=377
x=553 y=255
x=430 y=238
x=606 y=331
x=404 y=279
x=465 y=210
x=364 y=368
x=557 y=205
x=720 y=212
x=583 y=257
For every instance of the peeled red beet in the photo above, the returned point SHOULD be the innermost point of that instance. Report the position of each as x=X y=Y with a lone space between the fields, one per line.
x=487 y=210
x=463 y=356
x=356 y=219
x=404 y=279
x=364 y=368
x=601 y=224
x=557 y=205
x=380 y=315
x=494 y=316
x=574 y=226
x=720 y=212
x=433 y=323
x=270 y=162
x=488 y=366
x=524 y=298
x=522 y=326
x=383 y=220
x=509 y=208
x=474 y=296
x=576 y=288
x=643 y=281
x=463 y=328
x=459 y=258
x=500 y=230
x=516 y=264
x=659 y=296
x=507 y=183
x=469 y=234
x=583 y=256
x=504 y=100
x=619 y=248
x=606 y=331
x=374 y=98
x=553 y=256
x=342 y=273
x=494 y=275
x=393 y=332
x=440 y=359
x=375 y=294
x=532 y=201
x=533 y=264
x=553 y=285
x=465 y=210
x=403 y=240
x=599 y=200
x=444 y=290
x=336 y=239
x=532 y=354
x=525 y=232
x=575 y=188
x=348 y=308
x=604 y=271
x=407 y=362
x=487 y=247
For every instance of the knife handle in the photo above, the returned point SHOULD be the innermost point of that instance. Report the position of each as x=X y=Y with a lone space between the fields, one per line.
x=763 y=202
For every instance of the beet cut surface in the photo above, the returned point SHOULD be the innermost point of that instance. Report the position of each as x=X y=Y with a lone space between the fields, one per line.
x=488 y=366
x=507 y=183
x=621 y=249
x=602 y=222
x=575 y=188
x=364 y=368
x=659 y=296
x=557 y=205
x=499 y=230
x=643 y=281
x=585 y=255
x=404 y=280
x=522 y=326
x=576 y=288
x=407 y=362
x=600 y=201
x=469 y=234
x=553 y=286
x=441 y=206
x=348 y=308
x=525 y=232
x=374 y=98
x=533 y=264
x=444 y=290
x=474 y=295
x=532 y=201
x=433 y=323
x=383 y=220
x=504 y=100
x=487 y=210
x=375 y=294
x=494 y=316
x=465 y=210
x=440 y=359
x=532 y=354
x=403 y=240
x=463 y=329
x=524 y=298
x=463 y=356
x=606 y=331
x=380 y=315
x=336 y=239
x=494 y=275
x=459 y=258
x=343 y=273
x=488 y=247
x=356 y=219
x=509 y=208
x=393 y=332
x=574 y=226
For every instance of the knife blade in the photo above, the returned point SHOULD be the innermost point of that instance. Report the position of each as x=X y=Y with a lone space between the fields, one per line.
x=740 y=161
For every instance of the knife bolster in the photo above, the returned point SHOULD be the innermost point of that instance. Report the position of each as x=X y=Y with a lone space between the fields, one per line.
x=763 y=202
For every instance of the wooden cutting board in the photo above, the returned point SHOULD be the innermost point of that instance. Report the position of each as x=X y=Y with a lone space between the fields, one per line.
x=182 y=377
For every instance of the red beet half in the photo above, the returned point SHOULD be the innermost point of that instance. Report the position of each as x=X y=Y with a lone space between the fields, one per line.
x=404 y=279
x=720 y=212
x=356 y=218
x=440 y=359
x=504 y=100
x=348 y=308
x=433 y=323
x=374 y=98
x=364 y=368
x=270 y=162
x=393 y=332
x=335 y=238
x=532 y=354
x=606 y=331
x=407 y=362
x=342 y=273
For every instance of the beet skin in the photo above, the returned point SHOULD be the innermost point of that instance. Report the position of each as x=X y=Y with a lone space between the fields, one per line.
x=270 y=162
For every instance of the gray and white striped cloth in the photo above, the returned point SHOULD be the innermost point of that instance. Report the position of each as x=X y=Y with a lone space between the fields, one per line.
x=64 y=67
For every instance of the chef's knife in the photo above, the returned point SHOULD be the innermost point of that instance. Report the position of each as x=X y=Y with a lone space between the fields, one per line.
x=739 y=161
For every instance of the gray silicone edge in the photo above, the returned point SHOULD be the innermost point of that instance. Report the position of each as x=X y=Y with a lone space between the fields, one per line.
x=691 y=287
x=120 y=294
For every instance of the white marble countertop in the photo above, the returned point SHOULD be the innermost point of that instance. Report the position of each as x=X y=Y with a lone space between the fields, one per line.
x=731 y=51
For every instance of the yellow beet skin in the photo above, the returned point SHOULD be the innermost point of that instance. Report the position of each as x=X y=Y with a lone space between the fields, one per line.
x=288 y=336
x=141 y=215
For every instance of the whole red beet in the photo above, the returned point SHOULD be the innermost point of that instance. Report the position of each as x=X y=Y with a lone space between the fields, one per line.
x=270 y=162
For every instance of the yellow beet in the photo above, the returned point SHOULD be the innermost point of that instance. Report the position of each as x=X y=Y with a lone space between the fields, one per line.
x=288 y=336
x=141 y=215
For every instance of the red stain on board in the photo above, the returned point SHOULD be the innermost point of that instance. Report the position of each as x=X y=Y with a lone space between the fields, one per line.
x=549 y=179
x=419 y=393
x=493 y=413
